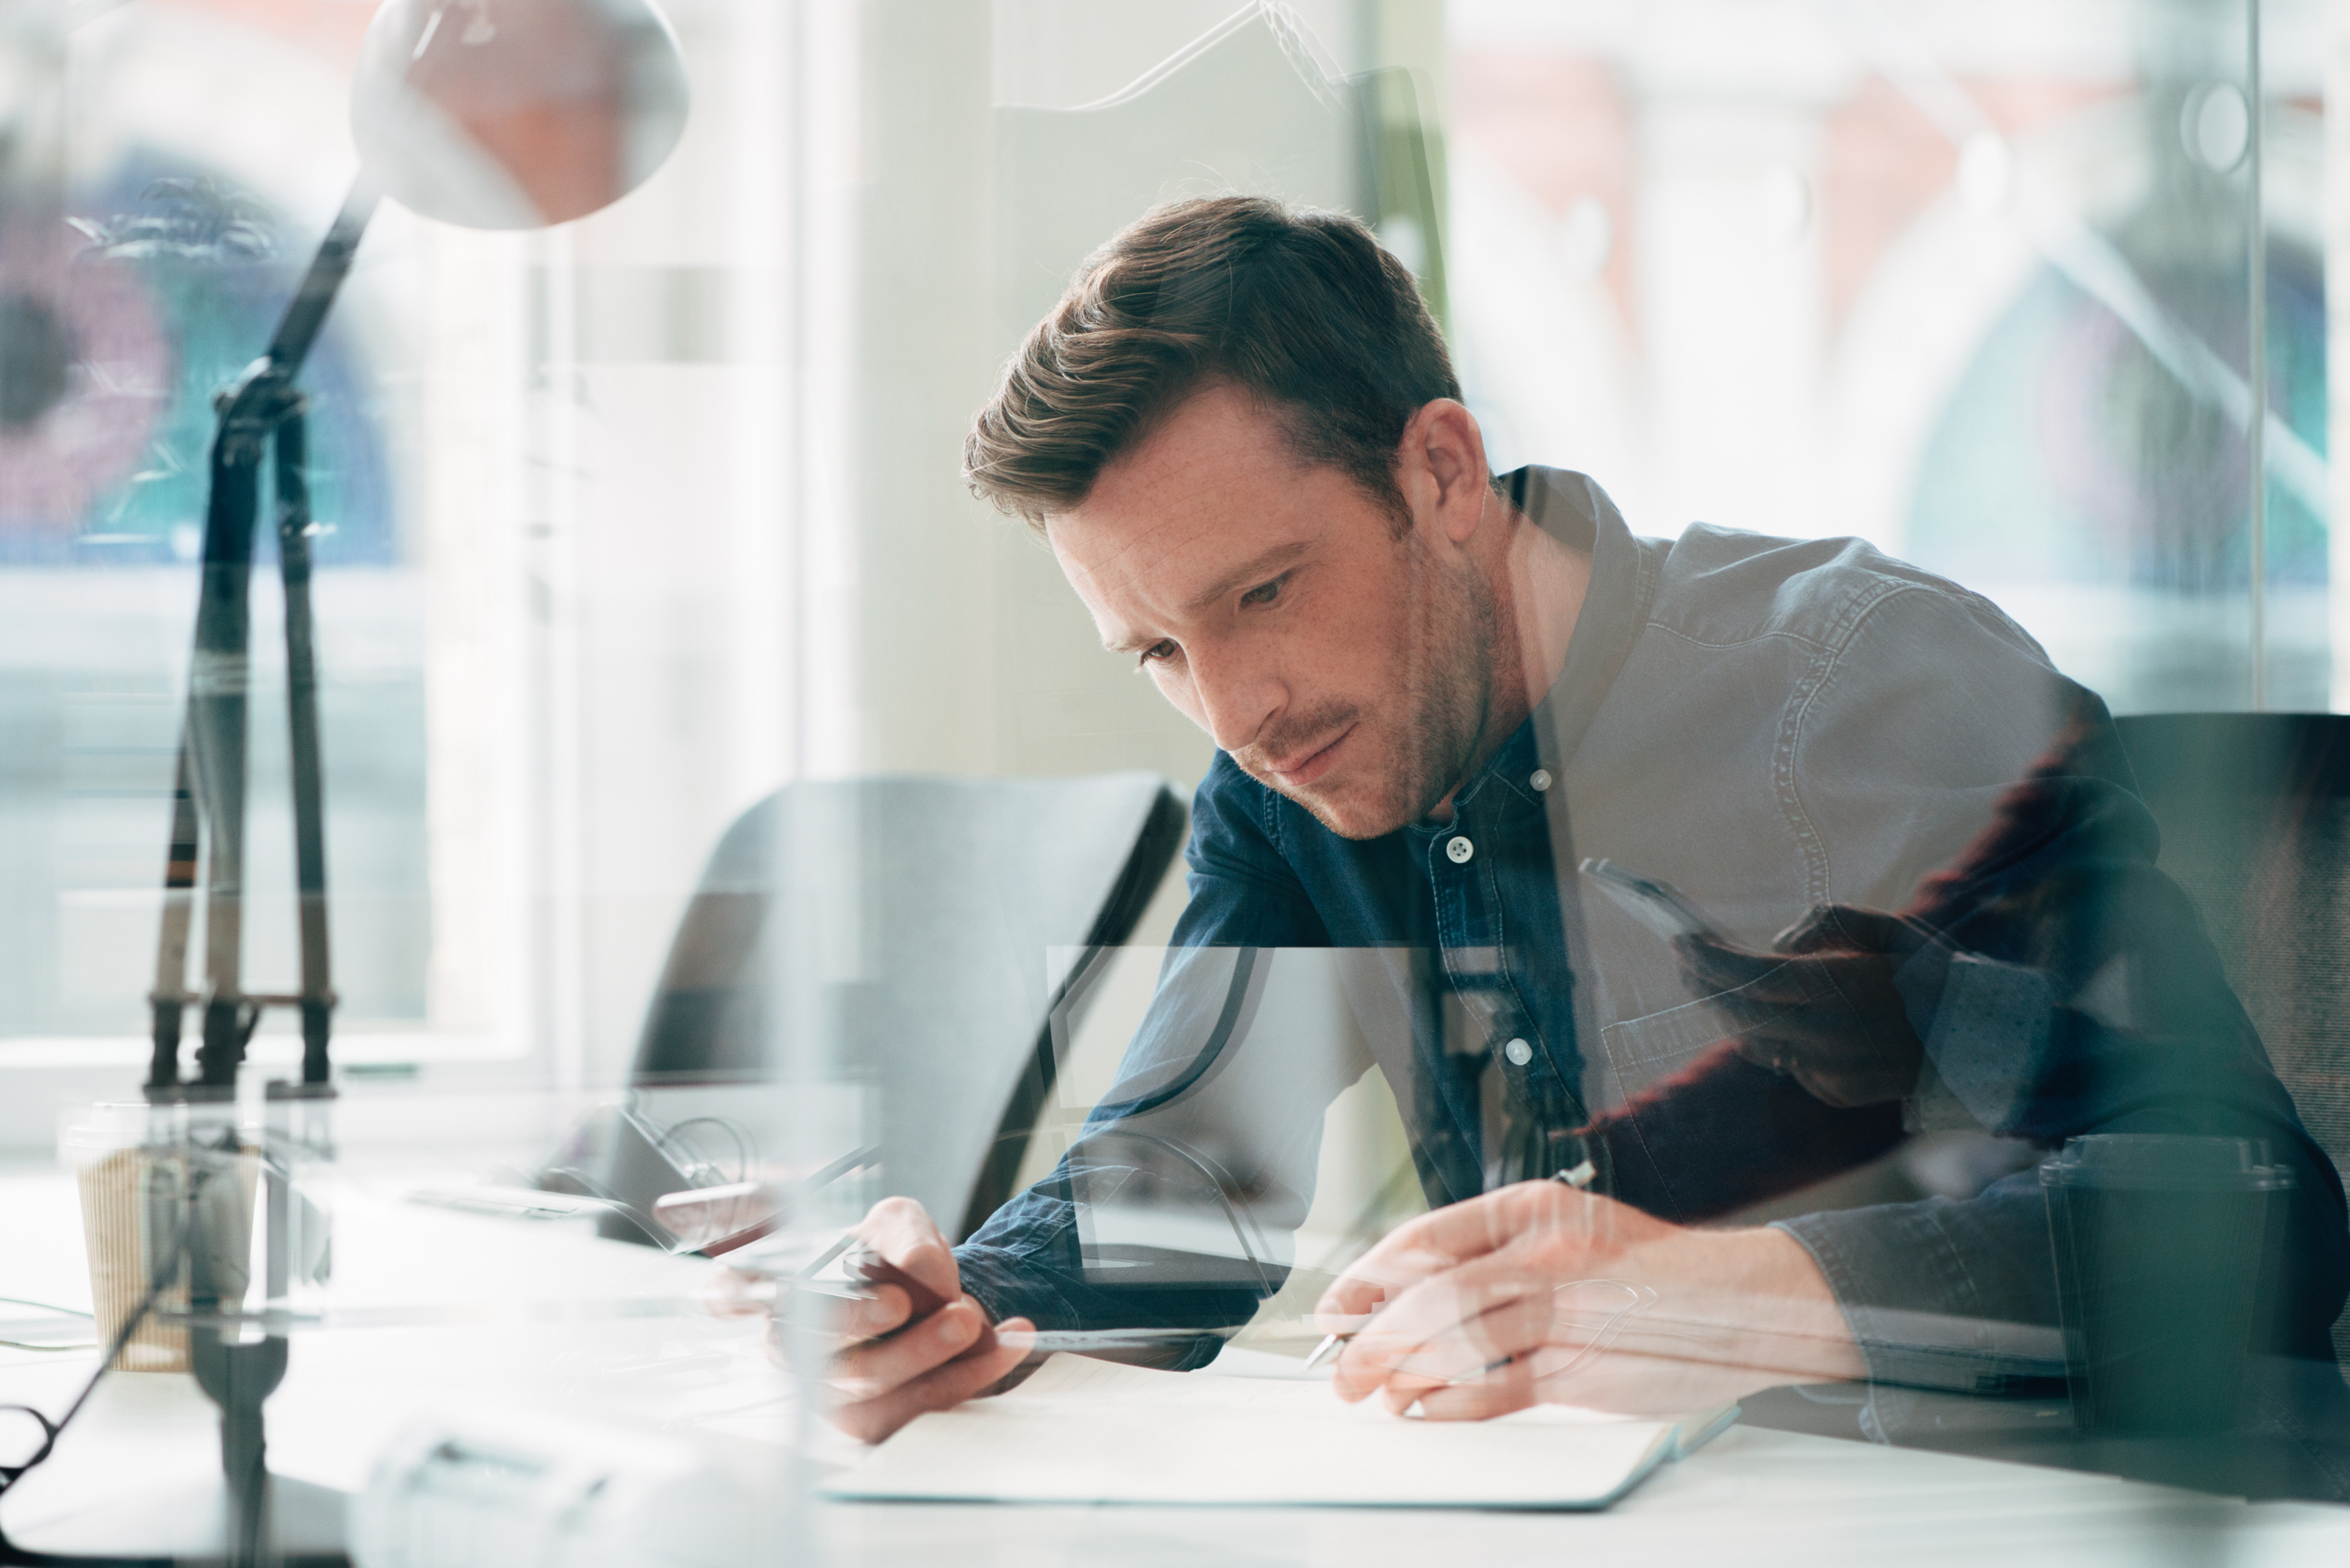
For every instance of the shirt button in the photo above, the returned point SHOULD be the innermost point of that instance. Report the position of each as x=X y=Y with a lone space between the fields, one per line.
x=1541 y=781
x=1459 y=849
x=1519 y=1053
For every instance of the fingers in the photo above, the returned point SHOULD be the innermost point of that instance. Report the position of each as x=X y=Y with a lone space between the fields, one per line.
x=1455 y=1326
x=1785 y=985
x=900 y=1233
x=1503 y=1360
x=1816 y=928
x=1477 y=1338
x=1753 y=992
x=885 y=1309
x=1406 y=1253
x=1354 y=1295
x=1552 y=1294
x=1725 y=968
x=875 y=1366
x=1846 y=927
x=1445 y=1238
x=874 y=1417
x=1826 y=930
x=896 y=1369
x=1505 y=1389
x=903 y=1233
x=1831 y=925
x=1411 y=1252
x=1874 y=931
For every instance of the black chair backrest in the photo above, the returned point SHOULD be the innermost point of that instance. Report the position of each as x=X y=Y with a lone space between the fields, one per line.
x=2254 y=810
x=929 y=929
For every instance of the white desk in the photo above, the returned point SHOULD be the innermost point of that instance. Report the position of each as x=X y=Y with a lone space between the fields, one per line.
x=1751 y=1497
x=553 y=1328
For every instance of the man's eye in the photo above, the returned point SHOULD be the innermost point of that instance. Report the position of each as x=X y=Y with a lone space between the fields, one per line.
x=1157 y=653
x=1264 y=593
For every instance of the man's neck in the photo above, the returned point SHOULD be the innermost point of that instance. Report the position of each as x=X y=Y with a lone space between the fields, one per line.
x=1540 y=595
x=1538 y=586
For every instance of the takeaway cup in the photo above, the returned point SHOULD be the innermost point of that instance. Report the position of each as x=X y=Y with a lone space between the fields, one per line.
x=2163 y=1245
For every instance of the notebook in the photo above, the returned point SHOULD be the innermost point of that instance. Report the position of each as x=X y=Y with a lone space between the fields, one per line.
x=1087 y=1431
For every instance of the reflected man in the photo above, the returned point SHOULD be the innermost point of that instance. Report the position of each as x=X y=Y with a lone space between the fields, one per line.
x=1434 y=692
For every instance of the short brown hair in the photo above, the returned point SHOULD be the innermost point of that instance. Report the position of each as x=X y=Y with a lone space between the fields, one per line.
x=1302 y=309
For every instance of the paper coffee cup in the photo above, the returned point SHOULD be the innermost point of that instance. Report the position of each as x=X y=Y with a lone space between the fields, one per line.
x=174 y=1201
x=2162 y=1247
x=112 y=1163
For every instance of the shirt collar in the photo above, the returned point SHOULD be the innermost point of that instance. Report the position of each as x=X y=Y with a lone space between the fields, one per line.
x=1500 y=792
x=1572 y=509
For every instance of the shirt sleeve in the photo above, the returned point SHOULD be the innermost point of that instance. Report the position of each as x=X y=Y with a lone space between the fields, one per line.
x=2073 y=990
x=1176 y=1203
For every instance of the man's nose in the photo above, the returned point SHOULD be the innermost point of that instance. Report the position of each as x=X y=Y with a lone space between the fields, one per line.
x=1237 y=701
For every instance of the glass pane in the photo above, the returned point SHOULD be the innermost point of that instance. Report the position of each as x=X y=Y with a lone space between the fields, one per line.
x=1976 y=294
x=1086 y=740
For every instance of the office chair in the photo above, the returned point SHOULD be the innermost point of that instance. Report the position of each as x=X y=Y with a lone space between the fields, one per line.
x=2254 y=810
x=939 y=934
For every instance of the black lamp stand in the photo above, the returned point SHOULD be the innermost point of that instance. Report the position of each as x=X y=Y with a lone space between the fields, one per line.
x=263 y=415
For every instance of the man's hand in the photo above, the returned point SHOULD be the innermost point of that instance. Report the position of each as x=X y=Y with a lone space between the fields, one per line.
x=890 y=1371
x=1539 y=1293
x=1821 y=1006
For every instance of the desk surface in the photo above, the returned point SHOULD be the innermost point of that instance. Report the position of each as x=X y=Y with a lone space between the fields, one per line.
x=559 y=1319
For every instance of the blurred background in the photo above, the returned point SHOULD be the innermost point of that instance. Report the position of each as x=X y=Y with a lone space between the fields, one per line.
x=634 y=520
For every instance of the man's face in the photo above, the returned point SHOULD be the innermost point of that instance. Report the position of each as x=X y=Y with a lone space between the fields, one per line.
x=1277 y=607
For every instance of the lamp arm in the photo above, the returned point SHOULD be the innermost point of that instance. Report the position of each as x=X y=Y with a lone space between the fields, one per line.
x=306 y=311
x=210 y=780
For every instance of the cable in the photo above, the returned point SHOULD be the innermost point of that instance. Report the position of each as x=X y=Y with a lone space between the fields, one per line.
x=166 y=1272
x=46 y=1306
x=743 y=1159
x=1216 y=1184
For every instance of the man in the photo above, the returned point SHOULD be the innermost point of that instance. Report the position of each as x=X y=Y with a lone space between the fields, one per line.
x=1434 y=696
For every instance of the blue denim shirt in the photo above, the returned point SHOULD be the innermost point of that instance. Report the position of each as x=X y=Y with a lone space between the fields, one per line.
x=1770 y=725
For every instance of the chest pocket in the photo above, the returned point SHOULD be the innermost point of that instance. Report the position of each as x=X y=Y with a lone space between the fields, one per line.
x=1644 y=1052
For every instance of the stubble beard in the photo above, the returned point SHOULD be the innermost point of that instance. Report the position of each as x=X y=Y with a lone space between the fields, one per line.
x=1446 y=696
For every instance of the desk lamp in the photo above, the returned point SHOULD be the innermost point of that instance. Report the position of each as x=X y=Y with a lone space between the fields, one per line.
x=491 y=114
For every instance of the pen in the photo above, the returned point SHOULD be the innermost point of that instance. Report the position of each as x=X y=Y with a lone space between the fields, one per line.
x=1578 y=1176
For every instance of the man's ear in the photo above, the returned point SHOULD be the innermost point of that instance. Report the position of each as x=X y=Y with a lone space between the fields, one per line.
x=1440 y=466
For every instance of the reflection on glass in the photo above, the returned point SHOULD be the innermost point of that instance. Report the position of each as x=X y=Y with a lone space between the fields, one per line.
x=516 y=114
x=1982 y=302
x=1797 y=458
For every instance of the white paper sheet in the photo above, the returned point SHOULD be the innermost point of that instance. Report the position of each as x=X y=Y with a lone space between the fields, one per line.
x=1082 y=1430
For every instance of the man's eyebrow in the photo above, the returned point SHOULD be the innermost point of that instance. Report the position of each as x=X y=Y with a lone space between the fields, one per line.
x=1252 y=572
x=1129 y=644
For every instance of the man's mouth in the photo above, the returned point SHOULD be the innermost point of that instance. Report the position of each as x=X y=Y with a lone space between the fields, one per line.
x=1303 y=772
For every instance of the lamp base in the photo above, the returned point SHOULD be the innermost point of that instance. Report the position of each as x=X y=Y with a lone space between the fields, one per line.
x=190 y=1525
